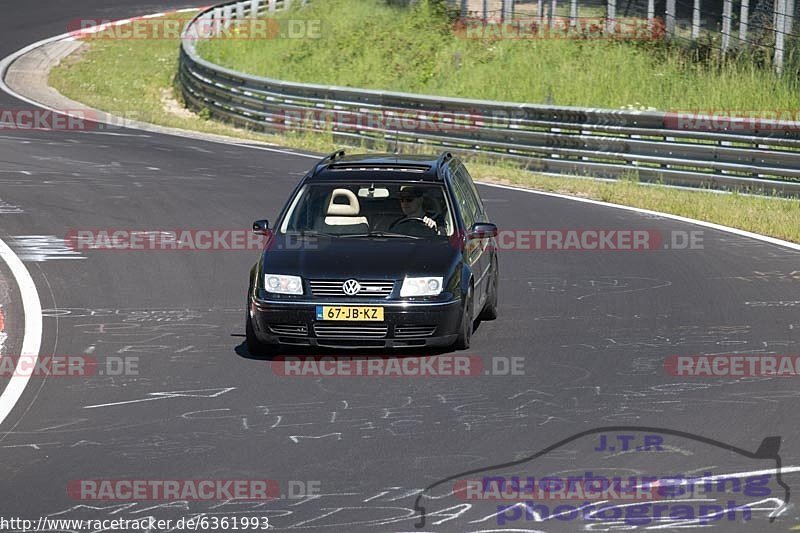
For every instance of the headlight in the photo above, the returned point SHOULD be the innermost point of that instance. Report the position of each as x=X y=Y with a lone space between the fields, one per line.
x=283 y=284
x=421 y=287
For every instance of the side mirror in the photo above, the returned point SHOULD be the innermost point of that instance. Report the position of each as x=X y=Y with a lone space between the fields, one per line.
x=261 y=227
x=482 y=230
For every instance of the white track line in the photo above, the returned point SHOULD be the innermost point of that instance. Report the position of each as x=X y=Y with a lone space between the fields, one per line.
x=32 y=339
x=735 y=231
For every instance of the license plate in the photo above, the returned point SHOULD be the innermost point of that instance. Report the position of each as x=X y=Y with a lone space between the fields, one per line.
x=335 y=312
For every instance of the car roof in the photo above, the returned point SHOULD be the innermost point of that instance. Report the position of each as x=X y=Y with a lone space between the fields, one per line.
x=386 y=167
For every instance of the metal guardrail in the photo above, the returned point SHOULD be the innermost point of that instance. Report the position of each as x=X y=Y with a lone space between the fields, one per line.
x=752 y=156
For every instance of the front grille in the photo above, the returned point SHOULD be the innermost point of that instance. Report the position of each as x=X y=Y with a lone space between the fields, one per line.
x=369 y=289
x=298 y=330
x=334 y=331
x=350 y=343
x=405 y=332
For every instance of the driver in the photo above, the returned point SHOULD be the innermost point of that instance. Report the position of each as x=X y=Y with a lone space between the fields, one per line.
x=411 y=203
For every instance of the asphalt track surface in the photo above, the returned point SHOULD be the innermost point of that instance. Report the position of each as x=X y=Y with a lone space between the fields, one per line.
x=592 y=328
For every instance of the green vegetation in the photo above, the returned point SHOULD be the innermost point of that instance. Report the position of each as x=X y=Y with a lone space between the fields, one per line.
x=134 y=78
x=371 y=44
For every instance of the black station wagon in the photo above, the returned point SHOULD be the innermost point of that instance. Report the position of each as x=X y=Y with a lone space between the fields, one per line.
x=375 y=251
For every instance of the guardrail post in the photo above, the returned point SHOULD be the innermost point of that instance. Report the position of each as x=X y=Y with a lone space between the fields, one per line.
x=508 y=9
x=217 y=26
x=240 y=10
x=743 y=16
x=727 y=13
x=696 y=19
x=651 y=15
x=611 y=15
x=271 y=6
x=540 y=10
x=789 y=17
x=573 y=13
x=669 y=21
x=553 y=7
x=780 y=34
x=227 y=15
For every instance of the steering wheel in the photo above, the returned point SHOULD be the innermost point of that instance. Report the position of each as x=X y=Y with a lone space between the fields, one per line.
x=411 y=220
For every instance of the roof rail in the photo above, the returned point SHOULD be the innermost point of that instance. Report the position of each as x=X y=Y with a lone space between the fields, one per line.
x=333 y=156
x=443 y=158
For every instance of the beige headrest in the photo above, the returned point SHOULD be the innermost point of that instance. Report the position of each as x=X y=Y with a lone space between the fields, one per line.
x=350 y=209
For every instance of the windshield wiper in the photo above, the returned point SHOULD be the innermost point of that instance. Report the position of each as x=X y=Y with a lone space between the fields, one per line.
x=309 y=232
x=382 y=234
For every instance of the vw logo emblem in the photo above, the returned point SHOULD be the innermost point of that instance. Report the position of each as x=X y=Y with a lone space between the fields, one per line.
x=351 y=287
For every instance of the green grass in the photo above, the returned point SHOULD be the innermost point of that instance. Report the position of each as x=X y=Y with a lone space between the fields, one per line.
x=132 y=78
x=367 y=43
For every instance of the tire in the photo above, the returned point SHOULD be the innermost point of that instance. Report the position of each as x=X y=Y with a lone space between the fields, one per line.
x=489 y=311
x=465 y=331
x=255 y=346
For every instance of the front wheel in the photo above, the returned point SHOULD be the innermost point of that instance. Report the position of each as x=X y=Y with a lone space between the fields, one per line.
x=465 y=331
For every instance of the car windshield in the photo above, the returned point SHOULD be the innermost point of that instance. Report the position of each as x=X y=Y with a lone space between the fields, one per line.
x=364 y=210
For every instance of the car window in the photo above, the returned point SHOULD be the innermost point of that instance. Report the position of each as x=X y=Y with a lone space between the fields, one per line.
x=468 y=204
x=467 y=179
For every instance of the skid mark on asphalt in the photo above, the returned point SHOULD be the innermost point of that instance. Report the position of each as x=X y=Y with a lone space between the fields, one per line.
x=9 y=209
x=153 y=396
x=767 y=276
x=40 y=248
x=774 y=303
x=598 y=286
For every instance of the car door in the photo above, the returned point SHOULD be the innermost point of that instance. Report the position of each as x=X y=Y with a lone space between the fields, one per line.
x=476 y=251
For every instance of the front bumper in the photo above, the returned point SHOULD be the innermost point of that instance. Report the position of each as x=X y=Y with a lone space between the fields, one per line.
x=405 y=324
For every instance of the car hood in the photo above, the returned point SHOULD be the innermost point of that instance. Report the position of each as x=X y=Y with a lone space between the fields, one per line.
x=360 y=258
